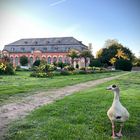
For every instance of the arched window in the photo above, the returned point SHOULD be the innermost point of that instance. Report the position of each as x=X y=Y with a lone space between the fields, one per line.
x=43 y=58
x=54 y=59
x=11 y=60
x=67 y=60
x=49 y=60
x=37 y=58
x=31 y=60
x=16 y=61
x=60 y=59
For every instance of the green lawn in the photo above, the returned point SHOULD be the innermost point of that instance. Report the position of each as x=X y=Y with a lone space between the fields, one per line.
x=82 y=116
x=22 y=84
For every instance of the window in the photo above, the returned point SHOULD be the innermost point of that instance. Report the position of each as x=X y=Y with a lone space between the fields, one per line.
x=31 y=60
x=16 y=61
x=37 y=58
x=49 y=60
x=11 y=60
x=13 y=49
x=43 y=58
x=36 y=42
x=26 y=42
x=60 y=59
x=54 y=59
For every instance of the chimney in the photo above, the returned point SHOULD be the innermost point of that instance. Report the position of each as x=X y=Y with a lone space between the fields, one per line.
x=90 y=46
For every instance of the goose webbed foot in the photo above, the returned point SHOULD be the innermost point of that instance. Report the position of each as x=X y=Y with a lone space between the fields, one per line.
x=119 y=135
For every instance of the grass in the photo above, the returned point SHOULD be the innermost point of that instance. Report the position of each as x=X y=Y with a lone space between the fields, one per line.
x=82 y=116
x=22 y=84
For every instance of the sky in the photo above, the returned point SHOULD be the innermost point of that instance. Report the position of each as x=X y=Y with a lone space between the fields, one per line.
x=89 y=21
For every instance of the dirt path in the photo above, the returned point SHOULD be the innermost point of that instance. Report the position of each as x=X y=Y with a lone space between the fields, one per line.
x=13 y=111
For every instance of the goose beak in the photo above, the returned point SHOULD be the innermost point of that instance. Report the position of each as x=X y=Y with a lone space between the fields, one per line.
x=109 y=88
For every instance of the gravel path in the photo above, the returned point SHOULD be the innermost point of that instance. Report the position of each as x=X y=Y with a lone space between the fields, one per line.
x=13 y=111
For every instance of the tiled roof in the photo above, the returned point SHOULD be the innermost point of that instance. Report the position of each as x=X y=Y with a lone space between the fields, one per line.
x=56 y=44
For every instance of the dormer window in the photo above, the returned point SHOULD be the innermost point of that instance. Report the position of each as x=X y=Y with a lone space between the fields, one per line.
x=36 y=42
x=13 y=49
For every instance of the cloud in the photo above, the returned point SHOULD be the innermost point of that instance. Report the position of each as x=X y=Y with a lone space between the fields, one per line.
x=57 y=2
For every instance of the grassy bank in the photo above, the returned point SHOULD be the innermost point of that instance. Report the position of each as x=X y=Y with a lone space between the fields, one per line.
x=22 y=84
x=82 y=116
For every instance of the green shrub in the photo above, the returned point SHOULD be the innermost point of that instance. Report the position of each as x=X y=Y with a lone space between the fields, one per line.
x=124 y=65
x=95 y=63
x=69 y=68
x=42 y=75
x=24 y=61
x=6 y=68
x=36 y=63
x=82 y=72
x=65 y=72
x=83 y=68
x=61 y=64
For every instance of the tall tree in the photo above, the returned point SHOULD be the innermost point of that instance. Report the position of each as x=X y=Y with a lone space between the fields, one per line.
x=23 y=60
x=112 y=49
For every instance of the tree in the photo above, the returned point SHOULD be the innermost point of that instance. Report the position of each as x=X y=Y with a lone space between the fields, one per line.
x=86 y=54
x=112 y=49
x=23 y=60
x=73 y=54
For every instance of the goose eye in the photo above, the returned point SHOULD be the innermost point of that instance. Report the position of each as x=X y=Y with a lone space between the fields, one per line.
x=113 y=86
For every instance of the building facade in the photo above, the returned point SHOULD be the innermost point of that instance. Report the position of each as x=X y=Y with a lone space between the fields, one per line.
x=48 y=49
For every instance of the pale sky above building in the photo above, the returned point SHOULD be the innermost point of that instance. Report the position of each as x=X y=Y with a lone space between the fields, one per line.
x=90 y=21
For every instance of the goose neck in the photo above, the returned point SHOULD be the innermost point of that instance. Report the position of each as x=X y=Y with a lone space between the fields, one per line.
x=116 y=96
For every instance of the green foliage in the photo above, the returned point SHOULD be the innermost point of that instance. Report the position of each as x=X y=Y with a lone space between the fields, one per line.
x=69 y=68
x=110 y=50
x=61 y=64
x=36 y=63
x=65 y=72
x=6 y=68
x=95 y=63
x=44 y=70
x=9 y=69
x=122 y=64
x=24 y=61
x=136 y=62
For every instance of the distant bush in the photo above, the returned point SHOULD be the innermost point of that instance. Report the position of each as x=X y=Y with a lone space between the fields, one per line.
x=65 y=72
x=6 y=68
x=44 y=70
x=82 y=72
x=95 y=63
x=69 y=68
x=61 y=64
x=124 y=65
x=82 y=68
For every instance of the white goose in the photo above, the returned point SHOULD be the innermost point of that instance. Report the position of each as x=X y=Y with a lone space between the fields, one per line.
x=117 y=112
